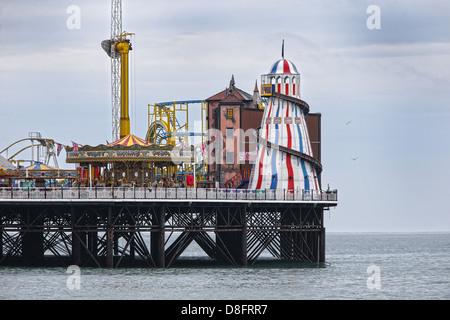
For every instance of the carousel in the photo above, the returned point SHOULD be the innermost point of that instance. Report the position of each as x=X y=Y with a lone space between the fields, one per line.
x=42 y=175
x=129 y=161
x=36 y=175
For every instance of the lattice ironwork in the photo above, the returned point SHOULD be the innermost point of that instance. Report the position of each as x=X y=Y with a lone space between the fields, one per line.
x=155 y=234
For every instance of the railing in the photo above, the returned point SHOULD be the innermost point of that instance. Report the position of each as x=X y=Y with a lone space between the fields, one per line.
x=167 y=193
x=237 y=179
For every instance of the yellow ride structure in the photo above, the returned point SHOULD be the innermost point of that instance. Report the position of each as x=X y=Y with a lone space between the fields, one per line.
x=168 y=123
x=165 y=124
x=118 y=49
x=124 y=47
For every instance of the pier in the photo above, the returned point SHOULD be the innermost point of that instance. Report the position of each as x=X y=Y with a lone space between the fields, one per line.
x=126 y=226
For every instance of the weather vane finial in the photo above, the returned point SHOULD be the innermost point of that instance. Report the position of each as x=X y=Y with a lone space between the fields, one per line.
x=282 y=50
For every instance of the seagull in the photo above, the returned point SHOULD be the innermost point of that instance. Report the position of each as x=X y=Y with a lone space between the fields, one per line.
x=354 y=158
x=347 y=123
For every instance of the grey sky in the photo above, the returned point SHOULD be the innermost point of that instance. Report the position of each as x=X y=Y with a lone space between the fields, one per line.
x=391 y=83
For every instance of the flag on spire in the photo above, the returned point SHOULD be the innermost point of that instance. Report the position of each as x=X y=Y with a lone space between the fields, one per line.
x=58 y=148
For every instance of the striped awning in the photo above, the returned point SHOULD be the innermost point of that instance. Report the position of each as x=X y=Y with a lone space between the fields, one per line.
x=130 y=140
x=283 y=66
x=40 y=167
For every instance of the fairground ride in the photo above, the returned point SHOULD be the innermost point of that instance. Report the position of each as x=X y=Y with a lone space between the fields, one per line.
x=165 y=124
x=118 y=48
x=168 y=123
x=42 y=150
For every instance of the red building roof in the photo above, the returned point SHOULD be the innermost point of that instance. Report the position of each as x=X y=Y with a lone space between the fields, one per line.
x=231 y=94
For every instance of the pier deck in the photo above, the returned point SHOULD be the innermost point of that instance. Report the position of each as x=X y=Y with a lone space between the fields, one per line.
x=114 y=227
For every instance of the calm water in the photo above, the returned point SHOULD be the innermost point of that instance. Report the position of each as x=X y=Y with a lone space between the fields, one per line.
x=410 y=266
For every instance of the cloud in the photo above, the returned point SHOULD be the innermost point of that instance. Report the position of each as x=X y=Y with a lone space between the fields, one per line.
x=392 y=83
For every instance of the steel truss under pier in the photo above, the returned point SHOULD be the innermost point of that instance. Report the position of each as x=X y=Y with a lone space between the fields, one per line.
x=154 y=233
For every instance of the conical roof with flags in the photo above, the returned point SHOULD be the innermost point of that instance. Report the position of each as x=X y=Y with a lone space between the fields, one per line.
x=38 y=166
x=283 y=66
x=130 y=140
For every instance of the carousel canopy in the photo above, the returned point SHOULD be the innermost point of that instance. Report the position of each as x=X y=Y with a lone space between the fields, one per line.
x=40 y=170
x=128 y=148
x=38 y=166
x=6 y=164
x=130 y=140
x=7 y=170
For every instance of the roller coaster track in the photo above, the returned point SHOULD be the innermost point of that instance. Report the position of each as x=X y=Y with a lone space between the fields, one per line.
x=44 y=142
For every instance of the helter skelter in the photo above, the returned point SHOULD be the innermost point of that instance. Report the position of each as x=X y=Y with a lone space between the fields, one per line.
x=284 y=159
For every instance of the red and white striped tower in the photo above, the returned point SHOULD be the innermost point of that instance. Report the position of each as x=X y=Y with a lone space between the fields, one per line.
x=284 y=158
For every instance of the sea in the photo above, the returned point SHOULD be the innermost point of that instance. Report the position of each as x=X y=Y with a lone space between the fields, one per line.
x=359 y=266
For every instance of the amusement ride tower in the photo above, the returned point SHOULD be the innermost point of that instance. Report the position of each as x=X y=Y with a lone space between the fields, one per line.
x=118 y=48
x=284 y=158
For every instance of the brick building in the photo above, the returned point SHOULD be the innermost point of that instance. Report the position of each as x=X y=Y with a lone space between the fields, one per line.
x=229 y=111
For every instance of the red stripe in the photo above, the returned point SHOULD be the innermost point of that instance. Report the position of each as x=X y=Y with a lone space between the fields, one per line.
x=315 y=178
x=288 y=156
x=260 y=165
x=286 y=67
x=258 y=185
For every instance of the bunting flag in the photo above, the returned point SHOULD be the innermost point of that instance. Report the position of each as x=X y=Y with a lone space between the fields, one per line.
x=203 y=147
x=75 y=146
x=58 y=148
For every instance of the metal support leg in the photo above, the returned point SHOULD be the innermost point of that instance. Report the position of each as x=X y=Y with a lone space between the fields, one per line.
x=157 y=238
x=109 y=240
x=76 y=242
x=33 y=237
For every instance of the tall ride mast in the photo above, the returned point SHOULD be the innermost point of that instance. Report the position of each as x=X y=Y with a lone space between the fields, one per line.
x=117 y=48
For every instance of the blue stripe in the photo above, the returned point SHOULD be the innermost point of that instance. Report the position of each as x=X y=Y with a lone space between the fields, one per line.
x=305 y=175
x=274 y=182
x=274 y=69
x=301 y=160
